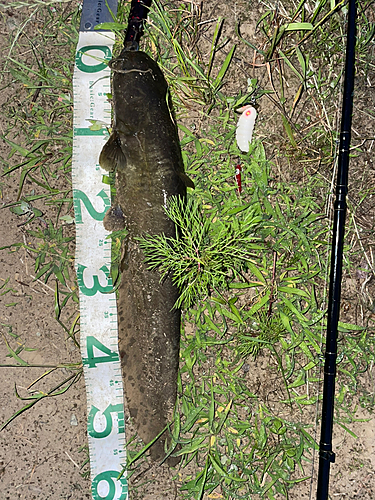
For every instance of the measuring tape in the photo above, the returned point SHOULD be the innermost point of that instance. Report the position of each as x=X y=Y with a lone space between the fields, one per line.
x=98 y=325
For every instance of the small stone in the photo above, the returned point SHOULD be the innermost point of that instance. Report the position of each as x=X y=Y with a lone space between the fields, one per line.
x=73 y=420
x=246 y=367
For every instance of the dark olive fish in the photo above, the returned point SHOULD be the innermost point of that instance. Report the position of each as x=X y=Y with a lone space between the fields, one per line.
x=144 y=151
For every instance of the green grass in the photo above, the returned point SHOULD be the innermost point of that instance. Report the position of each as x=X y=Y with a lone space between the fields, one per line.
x=252 y=268
x=280 y=314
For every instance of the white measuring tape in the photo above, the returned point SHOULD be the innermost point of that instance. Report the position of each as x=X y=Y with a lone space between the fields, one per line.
x=99 y=334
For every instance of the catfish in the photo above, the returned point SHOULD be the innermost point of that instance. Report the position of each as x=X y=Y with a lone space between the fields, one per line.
x=144 y=151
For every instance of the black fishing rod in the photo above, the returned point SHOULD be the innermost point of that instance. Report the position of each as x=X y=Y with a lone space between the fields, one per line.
x=137 y=17
x=326 y=455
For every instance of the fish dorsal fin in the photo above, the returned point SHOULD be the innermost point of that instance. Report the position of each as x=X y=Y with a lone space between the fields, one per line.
x=112 y=157
x=186 y=180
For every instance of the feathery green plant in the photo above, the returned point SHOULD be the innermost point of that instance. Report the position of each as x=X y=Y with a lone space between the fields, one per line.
x=209 y=251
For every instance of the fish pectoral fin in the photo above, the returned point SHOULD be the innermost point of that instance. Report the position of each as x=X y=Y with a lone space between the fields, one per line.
x=186 y=180
x=114 y=219
x=112 y=157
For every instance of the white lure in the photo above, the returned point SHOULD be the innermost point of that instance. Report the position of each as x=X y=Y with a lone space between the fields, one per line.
x=245 y=127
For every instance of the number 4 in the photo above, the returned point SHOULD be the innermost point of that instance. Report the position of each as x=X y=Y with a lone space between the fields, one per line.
x=92 y=360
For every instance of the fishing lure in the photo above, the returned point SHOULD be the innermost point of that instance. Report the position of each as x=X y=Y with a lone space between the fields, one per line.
x=245 y=127
x=238 y=178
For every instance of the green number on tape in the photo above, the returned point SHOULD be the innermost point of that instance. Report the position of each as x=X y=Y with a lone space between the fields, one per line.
x=96 y=287
x=92 y=360
x=109 y=476
x=108 y=421
x=79 y=196
x=95 y=67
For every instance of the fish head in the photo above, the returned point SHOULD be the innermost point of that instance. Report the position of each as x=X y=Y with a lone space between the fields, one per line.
x=139 y=87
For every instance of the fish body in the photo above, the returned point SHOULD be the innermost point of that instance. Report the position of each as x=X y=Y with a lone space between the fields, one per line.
x=144 y=151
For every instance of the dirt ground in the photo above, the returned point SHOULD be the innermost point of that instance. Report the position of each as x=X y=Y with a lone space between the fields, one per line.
x=39 y=451
x=43 y=449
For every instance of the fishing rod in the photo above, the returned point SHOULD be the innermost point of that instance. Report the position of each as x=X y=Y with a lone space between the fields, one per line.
x=137 y=17
x=326 y=455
